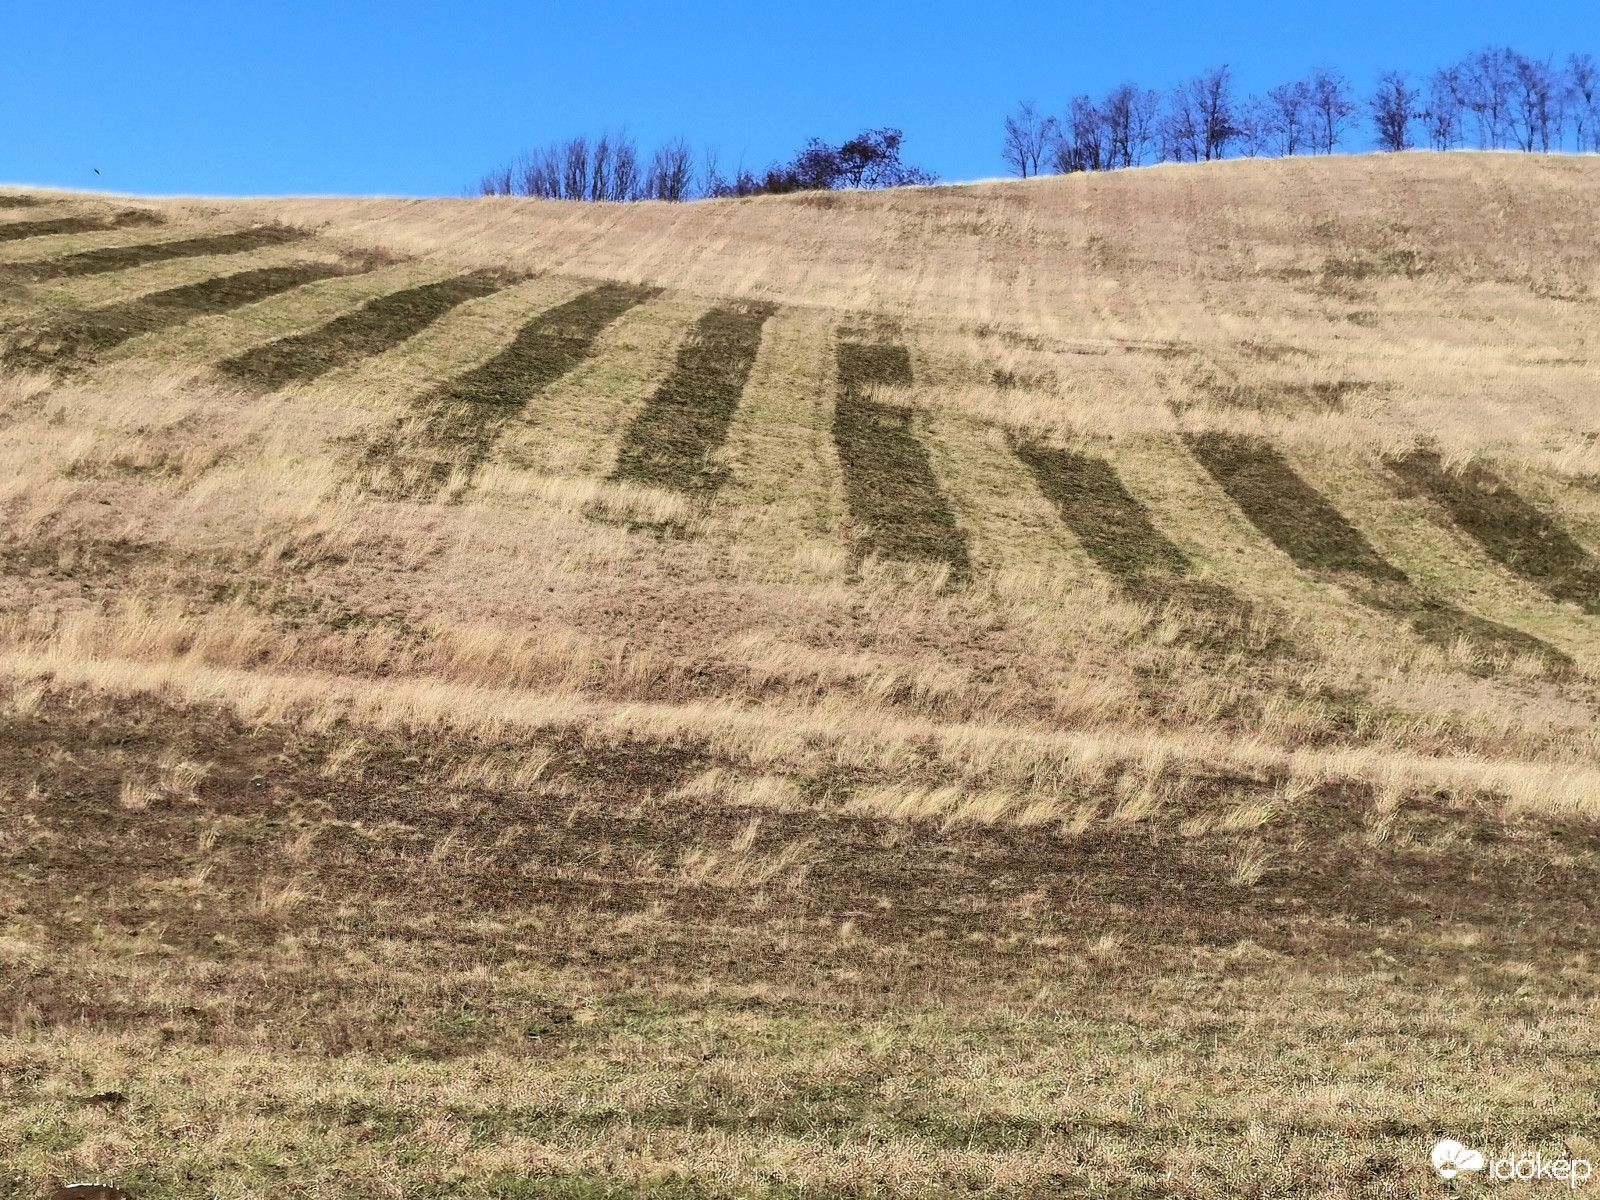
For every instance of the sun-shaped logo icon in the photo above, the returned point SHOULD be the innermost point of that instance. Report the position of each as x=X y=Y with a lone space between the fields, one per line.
x=1450 y=1158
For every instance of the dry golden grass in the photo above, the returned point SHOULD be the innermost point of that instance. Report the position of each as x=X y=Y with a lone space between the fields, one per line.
x=493 y=822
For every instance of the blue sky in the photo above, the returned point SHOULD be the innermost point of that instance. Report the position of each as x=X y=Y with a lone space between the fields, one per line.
x=408 y=98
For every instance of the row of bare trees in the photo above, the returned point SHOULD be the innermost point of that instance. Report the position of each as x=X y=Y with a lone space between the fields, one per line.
x=1493 y=99
x=611 y=169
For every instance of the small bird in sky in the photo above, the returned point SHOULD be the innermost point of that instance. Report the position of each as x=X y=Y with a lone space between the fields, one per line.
x=97 y=170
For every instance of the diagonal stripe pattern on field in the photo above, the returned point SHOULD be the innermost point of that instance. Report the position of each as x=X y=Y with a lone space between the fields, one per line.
x=83 y=336
x=371 y=329
x=1116 y=531
x=1301 y=522
x=16 y=231
x=896 y=504
x=451 y=431
x=670 y=442
x=122 y=258
x=1513 y=532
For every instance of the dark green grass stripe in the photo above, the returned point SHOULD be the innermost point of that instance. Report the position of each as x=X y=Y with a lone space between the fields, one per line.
x=1295 y=516
x=669 y=443
x=82 y=336
x=1512 y=531
x=122 y=258
x=895 y=500
x=1301 y=522
x=1114 y=527
x=373 y=328
x=16 y=231
x=1116 y=531
x=453 y=430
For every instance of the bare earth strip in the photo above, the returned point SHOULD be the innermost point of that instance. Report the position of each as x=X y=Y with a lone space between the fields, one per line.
x=15 y=231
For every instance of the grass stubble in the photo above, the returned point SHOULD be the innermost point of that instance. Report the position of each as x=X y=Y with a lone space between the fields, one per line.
x=354 y=841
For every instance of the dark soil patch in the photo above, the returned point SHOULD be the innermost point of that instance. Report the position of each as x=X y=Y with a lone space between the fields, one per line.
x=1301 y=522
x=669 y=443
x=1118 y=534
x=896 y=504
x=122 y=258
x=373 y=328
x=20 y=201
x=16 y=231
x=1512 y=531
x=452 y=430
x=80 y=337
x=394 y=849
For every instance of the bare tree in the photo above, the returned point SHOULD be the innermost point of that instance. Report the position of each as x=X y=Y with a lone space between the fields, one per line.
x=1182 y=136
x=1291 y=104
x=1536 y=114
x=1333 y=111
x=1487 y=81
x=1443 y=112
x=1258 y=126
x=671 y=173
x=1029 y=136
x=1144 y=131
x=1082 y=144
x=1583 y=94
x=1213 y=104
x=1393 y=107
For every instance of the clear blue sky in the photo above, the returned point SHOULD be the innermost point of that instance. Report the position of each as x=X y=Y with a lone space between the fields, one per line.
x=410 y=98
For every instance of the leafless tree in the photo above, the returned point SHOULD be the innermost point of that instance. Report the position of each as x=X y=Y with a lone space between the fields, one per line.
x=1441 y=116
x=1537 y=115
x=1258 y=126
x=1291 y=104
x=1213 y=105
x=1145 y=128
x=1393 y=108
x=1182 y=135
x=496 y=183
x=1029 y=136
x=1583 y=94
x=1332 y=109
x=671 y=173
x=1487 y=81
x=1083 y=142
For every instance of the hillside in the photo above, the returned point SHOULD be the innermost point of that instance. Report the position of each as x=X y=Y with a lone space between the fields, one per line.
x=1081 y=685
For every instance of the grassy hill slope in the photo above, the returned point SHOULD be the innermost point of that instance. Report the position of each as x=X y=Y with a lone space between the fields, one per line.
x=1075 y=685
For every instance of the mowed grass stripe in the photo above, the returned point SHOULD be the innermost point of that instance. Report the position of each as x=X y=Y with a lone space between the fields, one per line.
x=373 y=328
x=16 y=231
x=1513 y=532
x=83 y=336
x=1301 y=522
x=451 y=431
x=123 y=258
x=896 y=504
x=1115 y=529
x=669 y=443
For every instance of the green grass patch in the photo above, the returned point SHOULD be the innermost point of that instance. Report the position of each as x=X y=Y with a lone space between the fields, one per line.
x=16 y=231
x=122 y=258
x=83 y=336
x=1513 y=532
x=896 y=503
x=371 y=329
x=451 y=431
x=670 y=442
